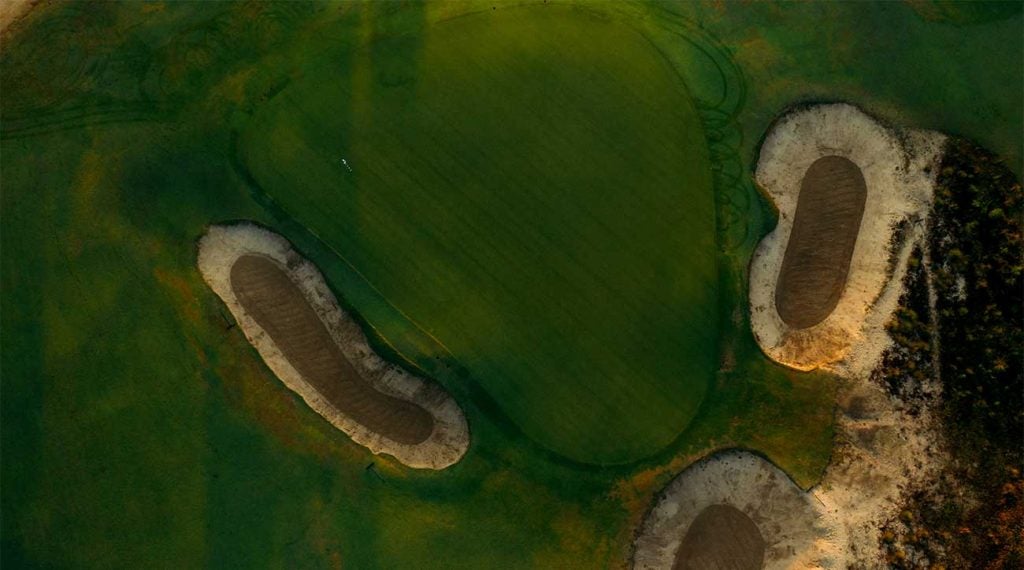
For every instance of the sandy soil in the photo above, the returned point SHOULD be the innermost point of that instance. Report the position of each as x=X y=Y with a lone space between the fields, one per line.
x=219 y=249
x=898 y=173
x=881 y=451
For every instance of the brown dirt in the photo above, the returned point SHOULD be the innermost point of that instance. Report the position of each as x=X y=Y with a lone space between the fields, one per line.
x=13 y=10
x=279 y=307
x=817 y=259
x=721 y=538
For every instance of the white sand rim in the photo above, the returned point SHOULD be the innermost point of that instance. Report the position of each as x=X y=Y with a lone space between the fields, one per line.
x=795 y=534
x=895 y=166
x=222 y=245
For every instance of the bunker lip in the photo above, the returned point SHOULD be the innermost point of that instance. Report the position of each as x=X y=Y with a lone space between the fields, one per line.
x=219 y=250
x=896 y=170
x=789 y=525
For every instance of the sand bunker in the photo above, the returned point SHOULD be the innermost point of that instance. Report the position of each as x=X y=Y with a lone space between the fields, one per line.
x=732 y=510
x=703 y=517
x=823 y=283
x=286 y=311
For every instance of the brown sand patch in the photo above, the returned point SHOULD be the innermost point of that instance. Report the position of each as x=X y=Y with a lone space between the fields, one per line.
x=817 y=259
x=13 y=10
x=279 y=307
x=721 y=538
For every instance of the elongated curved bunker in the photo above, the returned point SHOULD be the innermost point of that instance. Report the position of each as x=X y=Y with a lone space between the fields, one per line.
x=721 y=537
x=852 y=196
x=825 y=228
x=264 y=290
x=288 y=313
x=733 y=510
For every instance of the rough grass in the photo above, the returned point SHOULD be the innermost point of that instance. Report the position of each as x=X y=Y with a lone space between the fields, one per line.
x=143 y=432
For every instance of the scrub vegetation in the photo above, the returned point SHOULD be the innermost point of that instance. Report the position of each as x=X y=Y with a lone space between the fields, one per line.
x=975 y=516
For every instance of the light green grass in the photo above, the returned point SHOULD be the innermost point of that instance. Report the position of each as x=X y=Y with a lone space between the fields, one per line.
x=545 y=214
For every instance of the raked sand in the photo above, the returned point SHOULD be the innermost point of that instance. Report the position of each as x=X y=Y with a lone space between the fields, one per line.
x=222 y=245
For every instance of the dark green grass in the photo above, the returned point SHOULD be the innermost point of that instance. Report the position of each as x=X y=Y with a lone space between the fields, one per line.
x=544 y=214
x=139 y=430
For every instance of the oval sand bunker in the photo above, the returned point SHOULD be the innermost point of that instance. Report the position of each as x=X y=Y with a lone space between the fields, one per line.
x=825 y=228
x=287 y=312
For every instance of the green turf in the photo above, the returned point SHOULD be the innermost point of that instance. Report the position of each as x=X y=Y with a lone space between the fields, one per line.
x=546 y=215
x=138 y=430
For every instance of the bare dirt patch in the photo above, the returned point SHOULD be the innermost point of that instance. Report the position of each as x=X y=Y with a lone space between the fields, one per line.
x=278 y=297
x=825 y=228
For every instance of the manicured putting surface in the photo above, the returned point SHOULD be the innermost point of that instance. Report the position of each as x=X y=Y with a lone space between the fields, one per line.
x=825 y=228
x=721 y=538
x=532 y=188
x=280 y=308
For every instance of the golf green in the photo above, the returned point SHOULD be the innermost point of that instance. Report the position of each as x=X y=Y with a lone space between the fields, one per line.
x=545 y=214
